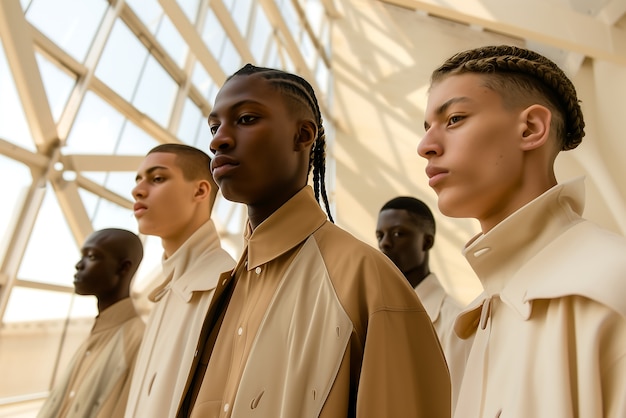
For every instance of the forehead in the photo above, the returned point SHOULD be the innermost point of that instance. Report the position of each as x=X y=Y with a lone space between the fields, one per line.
x=100 y=240
x=395 y=217
x=469 y=88
x=243 y=88
x=163 y=160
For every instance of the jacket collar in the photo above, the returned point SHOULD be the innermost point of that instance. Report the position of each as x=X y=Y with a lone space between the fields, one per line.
x=181 y=269
x=498 y=256
x=290 y=225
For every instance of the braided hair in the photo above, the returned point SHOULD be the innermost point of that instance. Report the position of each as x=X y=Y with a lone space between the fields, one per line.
x=300 y=93
x=520 y=73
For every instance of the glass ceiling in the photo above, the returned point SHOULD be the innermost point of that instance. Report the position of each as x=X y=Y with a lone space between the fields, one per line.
x=87 y=87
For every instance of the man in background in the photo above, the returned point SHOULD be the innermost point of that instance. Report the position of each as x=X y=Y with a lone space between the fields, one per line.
x=97 y=381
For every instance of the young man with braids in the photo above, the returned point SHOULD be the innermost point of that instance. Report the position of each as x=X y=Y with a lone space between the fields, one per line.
x=314 y=323
x=174 y=194
x=550 y=326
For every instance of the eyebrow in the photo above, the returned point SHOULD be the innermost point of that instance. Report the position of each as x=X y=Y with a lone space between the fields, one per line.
x=442 y=109
x=150 y=171
x=236 y=105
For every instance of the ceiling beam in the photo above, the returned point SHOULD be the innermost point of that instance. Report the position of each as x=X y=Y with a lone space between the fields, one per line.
x=535 y=20
x=18 y=47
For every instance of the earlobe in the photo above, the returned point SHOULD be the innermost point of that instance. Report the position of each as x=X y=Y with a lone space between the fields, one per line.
x=536 y=127
x=429 y=241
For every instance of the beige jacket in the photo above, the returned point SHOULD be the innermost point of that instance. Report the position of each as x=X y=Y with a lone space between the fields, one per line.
x=551 y=324
x=343 y=336
x=166 y=356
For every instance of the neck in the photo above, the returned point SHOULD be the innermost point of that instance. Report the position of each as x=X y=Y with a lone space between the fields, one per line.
x=416 y=275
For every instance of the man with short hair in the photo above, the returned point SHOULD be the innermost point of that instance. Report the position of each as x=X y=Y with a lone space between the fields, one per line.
x=174 y=195
x=97 y=381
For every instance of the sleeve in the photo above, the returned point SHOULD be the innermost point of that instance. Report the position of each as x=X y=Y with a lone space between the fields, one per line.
x=404 y=373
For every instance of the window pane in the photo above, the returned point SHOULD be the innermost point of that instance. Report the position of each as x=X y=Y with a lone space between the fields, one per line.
x=12 y=193
x=171 y=40
x=110 y=215
x=122 y=61
x=149 y=11
x=240 y=12
x=155 y=92
x=96 y=128
x=13 y=125
x=190 y=122
x=203 y=82
x=71 y=24
x=134 y=141
x=190 y=7
x=58 y=85
x=51 y=253
x=261 y=35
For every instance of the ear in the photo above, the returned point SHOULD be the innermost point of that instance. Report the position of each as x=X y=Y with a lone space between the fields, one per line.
x=536 y=121
x=203 y=190
x=124 y=267
x=306 y=135
x=429 y=241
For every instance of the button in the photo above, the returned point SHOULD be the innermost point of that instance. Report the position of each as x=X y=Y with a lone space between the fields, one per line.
x=240 y=331
x=72 y=394
x=257 y=270
x=226 y=407
x=87 y=353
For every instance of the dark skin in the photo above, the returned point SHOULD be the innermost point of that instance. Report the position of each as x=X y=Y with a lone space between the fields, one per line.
x=109 y=260
x=261 y=146
x=403 y=239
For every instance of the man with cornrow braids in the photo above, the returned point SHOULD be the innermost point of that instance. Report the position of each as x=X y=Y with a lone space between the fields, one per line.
x=550 y=326
x=312 y=322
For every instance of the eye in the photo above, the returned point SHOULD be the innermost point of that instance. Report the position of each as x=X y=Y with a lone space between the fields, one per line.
x=158 y=179
x=454 y=119
x=247 y=119
x=213 y=128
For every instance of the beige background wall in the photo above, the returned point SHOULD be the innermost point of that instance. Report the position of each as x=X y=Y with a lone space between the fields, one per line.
x=383 y=57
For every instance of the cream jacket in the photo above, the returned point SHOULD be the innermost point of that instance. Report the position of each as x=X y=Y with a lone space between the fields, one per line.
x=182 y=300
x=443 y=310
x=550 y=327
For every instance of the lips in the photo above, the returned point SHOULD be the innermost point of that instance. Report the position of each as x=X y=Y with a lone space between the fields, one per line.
x=222 y=164
x=139 y=209
x=435 y=175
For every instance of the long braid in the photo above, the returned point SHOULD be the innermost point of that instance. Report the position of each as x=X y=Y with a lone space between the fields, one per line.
x=300 y=91
x=529 y=70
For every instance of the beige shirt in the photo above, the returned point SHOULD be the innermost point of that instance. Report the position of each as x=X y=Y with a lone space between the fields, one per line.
x=321 y=325
x=167 y=353
x=550 y=327
x=97 y=381
x=443 y=310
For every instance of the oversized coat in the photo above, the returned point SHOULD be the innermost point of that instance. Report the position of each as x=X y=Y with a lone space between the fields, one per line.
x=164 y=362
x=344 y=334
x=550 y=326
x=97 y=380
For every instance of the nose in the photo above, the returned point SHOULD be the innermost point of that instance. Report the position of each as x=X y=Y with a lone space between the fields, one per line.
x=79 y=265
x=429 y=146
x=384 y=243
x=222 y=140
x=139 y=190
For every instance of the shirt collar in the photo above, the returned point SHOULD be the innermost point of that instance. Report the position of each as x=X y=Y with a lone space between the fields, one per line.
x=432 y=295
x=287 y=227
x=115 y=315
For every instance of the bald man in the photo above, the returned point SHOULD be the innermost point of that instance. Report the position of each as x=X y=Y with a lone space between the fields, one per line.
x=97 y=381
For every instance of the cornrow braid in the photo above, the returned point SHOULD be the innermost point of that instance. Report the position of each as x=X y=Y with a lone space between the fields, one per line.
x=300 y=91
x=540 y=73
